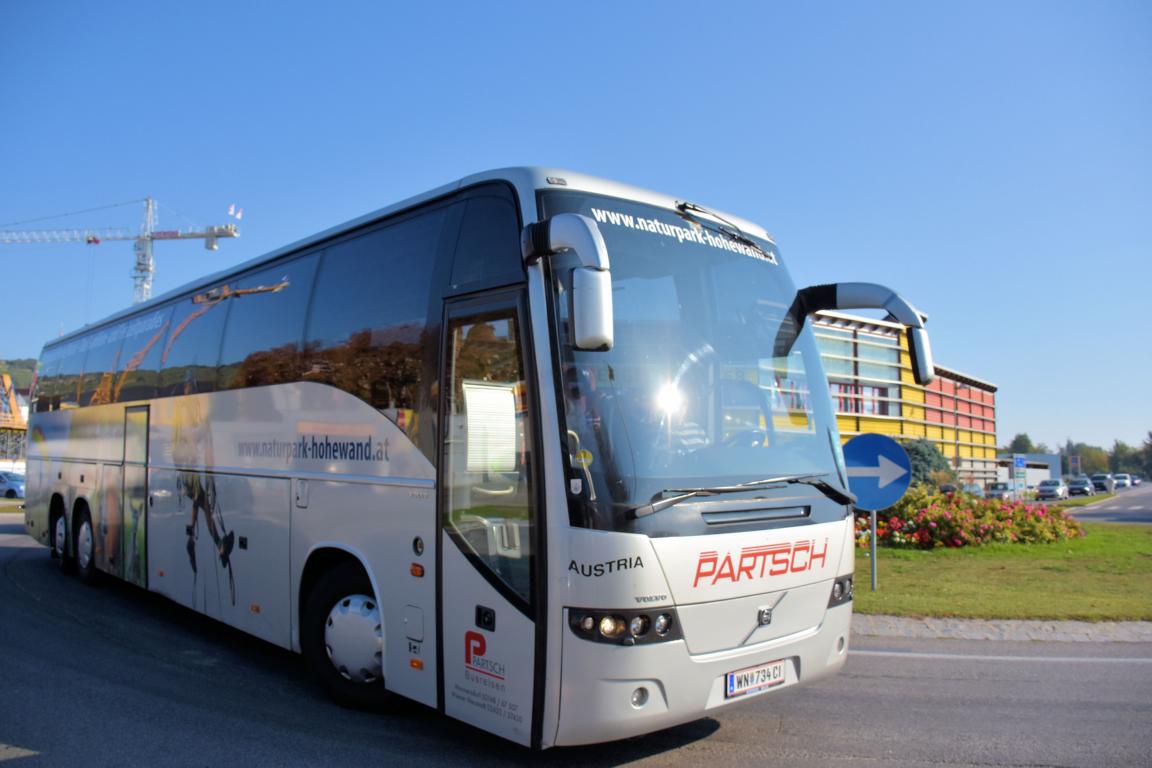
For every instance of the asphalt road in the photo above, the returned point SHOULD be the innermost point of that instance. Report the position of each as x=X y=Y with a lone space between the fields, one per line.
x=115 y=676
x=1129 y=505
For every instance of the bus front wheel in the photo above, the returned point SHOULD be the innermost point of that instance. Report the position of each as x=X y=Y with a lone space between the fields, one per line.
x=342 y=637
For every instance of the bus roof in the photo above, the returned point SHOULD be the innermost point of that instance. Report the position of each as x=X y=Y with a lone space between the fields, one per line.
x=527 y=180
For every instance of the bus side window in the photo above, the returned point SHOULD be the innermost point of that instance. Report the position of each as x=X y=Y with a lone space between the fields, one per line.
x=66 y=392
x=192 y=347
x=139 y=369
x=47 y=380
x=101 y=363
x=367 y=325
x=490 y=501
x=265 y=325
x=488 y=249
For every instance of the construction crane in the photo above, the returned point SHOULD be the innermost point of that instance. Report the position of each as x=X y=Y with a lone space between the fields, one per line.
x=148 y=234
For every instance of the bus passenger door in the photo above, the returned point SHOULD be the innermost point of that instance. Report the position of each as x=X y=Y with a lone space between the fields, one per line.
x=134 y=506
x=488 y=508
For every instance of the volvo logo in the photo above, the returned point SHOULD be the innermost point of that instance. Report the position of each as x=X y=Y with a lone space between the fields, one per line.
x=764 y=617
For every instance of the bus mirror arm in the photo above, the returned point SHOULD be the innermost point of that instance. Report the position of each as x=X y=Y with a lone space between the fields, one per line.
x=591 y=294
x=862 y=296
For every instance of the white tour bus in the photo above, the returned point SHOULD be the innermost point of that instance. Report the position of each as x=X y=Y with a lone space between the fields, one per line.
x=551 y=454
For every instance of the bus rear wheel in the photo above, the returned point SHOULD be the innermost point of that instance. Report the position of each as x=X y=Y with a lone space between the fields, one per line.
x=85 y=549
x=342 y=637
x=60 y=541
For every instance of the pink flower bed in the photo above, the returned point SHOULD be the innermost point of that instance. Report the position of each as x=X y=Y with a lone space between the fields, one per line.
x=926 y=519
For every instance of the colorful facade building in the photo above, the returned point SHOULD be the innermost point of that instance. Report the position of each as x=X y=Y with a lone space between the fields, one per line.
x=870 y=374
x=13 y=428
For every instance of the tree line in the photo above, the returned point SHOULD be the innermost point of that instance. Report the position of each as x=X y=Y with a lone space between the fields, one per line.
x=20 y=370
x=1121 y=458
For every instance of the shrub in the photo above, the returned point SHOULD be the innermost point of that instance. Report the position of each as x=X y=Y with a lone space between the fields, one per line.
x=926 y=519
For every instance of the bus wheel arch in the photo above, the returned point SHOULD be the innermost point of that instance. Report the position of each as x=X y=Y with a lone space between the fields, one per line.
x=341 y=629
x=84 y=542
x=58 y=525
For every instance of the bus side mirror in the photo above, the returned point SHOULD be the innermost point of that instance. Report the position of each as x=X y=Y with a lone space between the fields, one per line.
x=923 y=369
x=591 y=309
x=861 y=296
x=591 y=296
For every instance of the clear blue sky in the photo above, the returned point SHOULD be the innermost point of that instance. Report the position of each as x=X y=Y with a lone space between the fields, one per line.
x=990 y=160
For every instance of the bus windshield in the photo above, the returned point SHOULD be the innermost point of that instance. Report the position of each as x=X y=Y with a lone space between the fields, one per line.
x=692 y=395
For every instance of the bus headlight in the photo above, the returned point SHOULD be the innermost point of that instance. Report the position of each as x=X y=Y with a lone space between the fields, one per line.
x=611 y=627
x=841 y=591
x=624 y=627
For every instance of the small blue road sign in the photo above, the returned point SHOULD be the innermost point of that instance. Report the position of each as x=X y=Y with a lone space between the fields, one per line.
x=879 y=471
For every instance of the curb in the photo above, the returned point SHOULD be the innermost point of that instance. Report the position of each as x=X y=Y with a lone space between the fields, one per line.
x=1010 y=630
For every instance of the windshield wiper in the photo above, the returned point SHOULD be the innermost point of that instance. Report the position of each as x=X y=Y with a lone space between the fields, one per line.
x=661 y=501
x=728 y=229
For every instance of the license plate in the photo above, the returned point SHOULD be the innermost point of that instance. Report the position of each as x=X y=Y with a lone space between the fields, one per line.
x=756 y=678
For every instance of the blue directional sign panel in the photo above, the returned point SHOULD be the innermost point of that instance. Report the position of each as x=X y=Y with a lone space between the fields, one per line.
x=879 y=471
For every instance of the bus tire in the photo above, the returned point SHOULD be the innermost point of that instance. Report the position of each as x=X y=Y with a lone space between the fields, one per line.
x=342 y=637
x=84 y=547
x=59 y=527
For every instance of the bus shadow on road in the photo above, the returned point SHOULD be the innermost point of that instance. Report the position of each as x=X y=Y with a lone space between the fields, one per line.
x=149 y=638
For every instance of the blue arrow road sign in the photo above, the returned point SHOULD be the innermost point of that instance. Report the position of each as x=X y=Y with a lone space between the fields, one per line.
x=879 y=471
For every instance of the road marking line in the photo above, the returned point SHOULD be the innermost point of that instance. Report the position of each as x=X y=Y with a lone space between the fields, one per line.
x=972 y=656
x=10 y=752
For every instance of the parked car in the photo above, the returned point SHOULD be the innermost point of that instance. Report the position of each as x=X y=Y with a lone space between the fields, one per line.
x=1103 y=482
x=1123 y=480
x=972 y=489
x=11 y=485
x=1001 y=491
x=1137 y=479
x=1052 y=489
x=1081 y=486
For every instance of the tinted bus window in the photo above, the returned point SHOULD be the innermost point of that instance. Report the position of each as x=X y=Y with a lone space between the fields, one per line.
x=140 y=356
x=369 y=311
x=47 y=371
x=100 y=364
x=488 y=250
x=66 y=392
x=192 y=348
x=266 y=324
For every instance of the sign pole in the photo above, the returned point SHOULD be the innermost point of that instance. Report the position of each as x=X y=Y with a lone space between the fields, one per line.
x=872 y=547
x=879 y=472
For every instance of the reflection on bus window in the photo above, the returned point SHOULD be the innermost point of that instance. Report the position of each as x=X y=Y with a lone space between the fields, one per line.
x=490 y=501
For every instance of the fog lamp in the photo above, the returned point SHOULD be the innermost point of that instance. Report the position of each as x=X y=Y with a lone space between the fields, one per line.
x=639 y=697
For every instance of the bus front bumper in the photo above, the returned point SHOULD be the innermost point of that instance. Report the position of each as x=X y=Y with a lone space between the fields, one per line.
x=613 y=692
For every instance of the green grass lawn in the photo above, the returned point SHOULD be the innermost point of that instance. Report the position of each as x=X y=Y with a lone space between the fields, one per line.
x=1081 y=501
x=1104 y=576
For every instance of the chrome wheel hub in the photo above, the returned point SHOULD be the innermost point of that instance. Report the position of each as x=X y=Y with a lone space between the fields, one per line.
x=84 y=545
x=354 y=639
x=61 y=536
